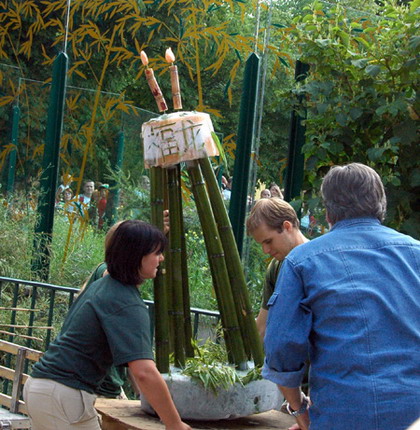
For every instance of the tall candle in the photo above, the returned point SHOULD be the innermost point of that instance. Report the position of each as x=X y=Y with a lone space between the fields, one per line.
x=153 y=85
x=176 y=91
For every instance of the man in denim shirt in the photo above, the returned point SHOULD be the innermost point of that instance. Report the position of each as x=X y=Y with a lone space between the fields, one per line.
x=351 y=300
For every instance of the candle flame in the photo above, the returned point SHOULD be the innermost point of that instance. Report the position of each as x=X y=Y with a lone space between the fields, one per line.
x=144 y=59
x=169 y=56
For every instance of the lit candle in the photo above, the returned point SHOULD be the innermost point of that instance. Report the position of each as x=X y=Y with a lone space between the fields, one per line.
x=153 y=85
x=176 y=92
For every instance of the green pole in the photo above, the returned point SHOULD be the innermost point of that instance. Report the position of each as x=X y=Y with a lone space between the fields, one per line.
x=161 y=320
x=295 y=158
x=176 y=312
x=13 y=153
x=239 y=196
x=46 y=202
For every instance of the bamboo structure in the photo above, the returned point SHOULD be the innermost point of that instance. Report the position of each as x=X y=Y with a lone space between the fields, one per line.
x=234 y=266
x=189 y=350
x=172 y=301
x=160 y=291
x=219 y=271
x=176 y=311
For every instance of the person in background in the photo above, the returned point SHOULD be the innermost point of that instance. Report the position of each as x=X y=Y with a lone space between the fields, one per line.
x=265 y=194
x=273 y=224
x=66 y=181
x=227 y=192
x=69 y=206
x=102 y=202
x=107 y=324
x=350 y=299
x=86 y=196
x=275 y=190
x=87 y=203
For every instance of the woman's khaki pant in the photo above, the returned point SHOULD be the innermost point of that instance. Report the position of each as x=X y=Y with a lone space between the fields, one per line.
x=54 y=406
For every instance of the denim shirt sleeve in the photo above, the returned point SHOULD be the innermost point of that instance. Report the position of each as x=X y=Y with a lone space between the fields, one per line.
x=288 y=328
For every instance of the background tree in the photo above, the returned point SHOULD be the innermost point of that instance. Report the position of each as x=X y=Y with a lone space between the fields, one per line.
x=362 y=99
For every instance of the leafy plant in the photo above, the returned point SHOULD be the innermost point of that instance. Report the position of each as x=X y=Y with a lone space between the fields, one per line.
x=209 y=369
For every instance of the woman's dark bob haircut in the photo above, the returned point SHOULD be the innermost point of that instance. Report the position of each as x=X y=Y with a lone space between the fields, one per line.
x=125 y=249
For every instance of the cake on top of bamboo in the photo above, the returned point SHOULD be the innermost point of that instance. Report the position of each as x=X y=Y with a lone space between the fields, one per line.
x=179 y=136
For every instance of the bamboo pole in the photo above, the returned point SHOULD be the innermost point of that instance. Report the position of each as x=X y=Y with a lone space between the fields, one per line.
x=233 y=262
x=233 y=339
x=160 y=291
x=189 y=350
x=176 y=311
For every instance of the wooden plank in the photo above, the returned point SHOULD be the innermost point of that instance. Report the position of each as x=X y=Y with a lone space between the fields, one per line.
x=12 y=348
x=9 y=374
x=6 y=401
x=127 y=415
x=23 y=336
x=48 y=327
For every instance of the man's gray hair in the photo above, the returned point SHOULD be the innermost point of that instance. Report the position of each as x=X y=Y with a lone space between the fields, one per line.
x=353 y=191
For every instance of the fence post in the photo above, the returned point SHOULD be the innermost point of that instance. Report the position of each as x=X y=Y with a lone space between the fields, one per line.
x=246 y=128
x=13 y=153
x=46 y=203
x=295 y=158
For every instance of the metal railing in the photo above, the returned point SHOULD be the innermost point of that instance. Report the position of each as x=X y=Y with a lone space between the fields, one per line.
x=26 y=304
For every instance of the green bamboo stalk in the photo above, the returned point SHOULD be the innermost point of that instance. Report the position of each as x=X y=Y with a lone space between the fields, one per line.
x=189 y=350
x=232 y=334
x=159 y=283
x=233 y=262
x=176 y=312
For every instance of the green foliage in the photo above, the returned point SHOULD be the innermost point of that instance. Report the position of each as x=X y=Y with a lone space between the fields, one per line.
x=361 y=99
x=17 y=220
x=208 y=369
x=85 y=248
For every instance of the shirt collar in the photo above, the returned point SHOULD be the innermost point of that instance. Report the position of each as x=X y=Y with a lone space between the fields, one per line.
x=355 y=221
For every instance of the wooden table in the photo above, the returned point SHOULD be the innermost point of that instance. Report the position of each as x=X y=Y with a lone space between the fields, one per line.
x=127 y=415
x=8 y=420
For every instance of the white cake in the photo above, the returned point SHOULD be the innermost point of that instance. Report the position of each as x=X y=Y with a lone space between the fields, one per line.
x=175 y=137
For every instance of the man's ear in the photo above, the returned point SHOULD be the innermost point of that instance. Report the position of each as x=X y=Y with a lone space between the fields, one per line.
x=287 y=225
x=328 y=218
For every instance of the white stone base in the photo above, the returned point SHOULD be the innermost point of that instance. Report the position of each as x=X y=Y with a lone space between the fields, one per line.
x=194 y=402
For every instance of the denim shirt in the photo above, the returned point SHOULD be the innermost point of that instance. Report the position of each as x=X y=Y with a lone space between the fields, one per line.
x=350 y=301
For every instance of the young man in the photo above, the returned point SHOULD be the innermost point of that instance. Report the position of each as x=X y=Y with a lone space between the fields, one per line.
x=351 y=300
x=273 y=223
x=88 y=190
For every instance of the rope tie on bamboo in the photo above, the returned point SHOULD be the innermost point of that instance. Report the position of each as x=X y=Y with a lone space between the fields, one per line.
x=221 y=255
x=199 y=183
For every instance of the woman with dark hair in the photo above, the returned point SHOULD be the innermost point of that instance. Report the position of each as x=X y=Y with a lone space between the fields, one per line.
x=107 y=324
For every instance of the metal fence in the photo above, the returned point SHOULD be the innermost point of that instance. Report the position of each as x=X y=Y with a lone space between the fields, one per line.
x=31 y=312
